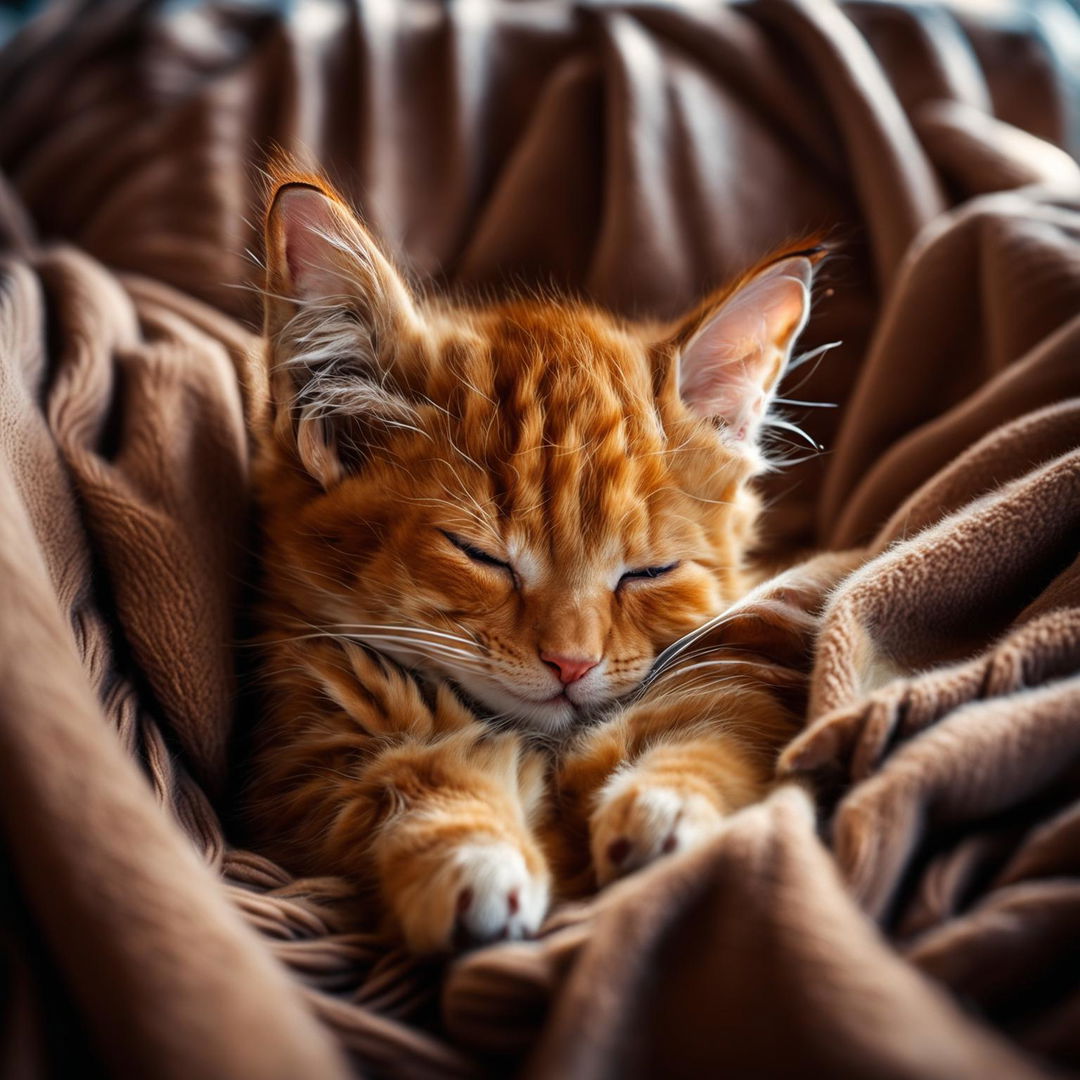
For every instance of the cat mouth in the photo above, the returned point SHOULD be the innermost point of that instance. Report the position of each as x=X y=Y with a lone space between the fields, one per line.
x=558 y=708
x=560 y=699
x=556 y=700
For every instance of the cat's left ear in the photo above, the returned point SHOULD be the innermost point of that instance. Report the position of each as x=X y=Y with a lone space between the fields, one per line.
x=731 y=353
x=338 y=318
x=319 y=254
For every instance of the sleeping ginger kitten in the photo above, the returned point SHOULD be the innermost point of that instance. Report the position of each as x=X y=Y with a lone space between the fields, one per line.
x=484 y=523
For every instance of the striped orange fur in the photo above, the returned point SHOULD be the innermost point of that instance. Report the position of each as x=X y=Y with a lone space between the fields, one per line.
x=481 y=526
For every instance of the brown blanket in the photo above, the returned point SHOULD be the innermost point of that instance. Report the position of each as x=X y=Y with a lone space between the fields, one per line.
x=907 y=903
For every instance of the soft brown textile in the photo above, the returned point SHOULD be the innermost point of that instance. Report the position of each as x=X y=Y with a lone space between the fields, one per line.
x=907 y=902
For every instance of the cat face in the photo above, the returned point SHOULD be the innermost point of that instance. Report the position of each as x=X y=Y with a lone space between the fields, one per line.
x=529 y=499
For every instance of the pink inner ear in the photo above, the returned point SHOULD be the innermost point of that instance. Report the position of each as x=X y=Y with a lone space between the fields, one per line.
x=730 y=369
x=307 y=220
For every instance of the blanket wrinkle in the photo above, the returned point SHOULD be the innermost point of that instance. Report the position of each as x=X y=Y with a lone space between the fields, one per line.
x=131 y=887
x=999 y=157
x=982 y=957
x=722 y=967
x=887 y=165
x=966 y=589
x=906 y=903
x=1051 y=849
x=1024 y=744
x=978 y=313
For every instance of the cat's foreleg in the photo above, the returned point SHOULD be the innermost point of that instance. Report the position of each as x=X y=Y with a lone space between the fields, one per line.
x=663 y=775
x=407 y=793
x=454 y=854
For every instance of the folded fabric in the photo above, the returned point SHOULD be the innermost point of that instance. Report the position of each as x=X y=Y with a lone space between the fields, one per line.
x=907 y=901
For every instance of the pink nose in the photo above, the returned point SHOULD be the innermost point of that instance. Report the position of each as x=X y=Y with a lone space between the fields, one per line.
x=570 y=668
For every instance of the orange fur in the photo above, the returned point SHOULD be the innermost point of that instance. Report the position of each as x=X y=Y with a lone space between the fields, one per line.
x=412 y=441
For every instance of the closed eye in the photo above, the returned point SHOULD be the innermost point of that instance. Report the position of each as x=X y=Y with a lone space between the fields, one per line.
x=647 y=573
x=478 y=555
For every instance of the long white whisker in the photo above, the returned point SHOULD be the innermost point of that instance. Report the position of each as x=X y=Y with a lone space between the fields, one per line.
x=433 y=649
x=404 y=629
x=708 y=687
x=669 y=674
x=776 y=421
x=676 y=647
x=813 y=354
x=410 y=642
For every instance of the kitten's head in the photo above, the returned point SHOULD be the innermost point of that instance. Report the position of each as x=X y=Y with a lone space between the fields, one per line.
x=530 y=498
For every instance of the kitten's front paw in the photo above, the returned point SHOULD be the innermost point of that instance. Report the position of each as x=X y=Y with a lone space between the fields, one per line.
x=477 y=892
x=637 y=822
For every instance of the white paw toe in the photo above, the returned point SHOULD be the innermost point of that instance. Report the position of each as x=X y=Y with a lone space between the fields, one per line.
x=484 y=891
x=499 y=899
x=635 y=824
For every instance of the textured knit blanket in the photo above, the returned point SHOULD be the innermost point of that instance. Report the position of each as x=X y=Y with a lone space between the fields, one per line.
x=906 y=904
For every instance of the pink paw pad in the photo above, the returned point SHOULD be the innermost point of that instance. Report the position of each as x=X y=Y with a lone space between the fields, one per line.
x=618 y=850
x=467 y=936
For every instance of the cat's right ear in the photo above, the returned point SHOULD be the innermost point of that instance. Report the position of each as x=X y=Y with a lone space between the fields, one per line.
x=336 y=313
x=733 y=350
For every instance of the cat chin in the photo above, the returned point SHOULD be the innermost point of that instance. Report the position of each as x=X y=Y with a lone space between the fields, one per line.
x=549 y=717
x=494 y=702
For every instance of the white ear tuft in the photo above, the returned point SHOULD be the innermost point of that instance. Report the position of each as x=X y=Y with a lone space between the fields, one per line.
x=731 y=365
x=337 y=312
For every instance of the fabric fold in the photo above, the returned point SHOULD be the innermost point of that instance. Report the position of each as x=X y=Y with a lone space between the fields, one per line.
x=905 y=902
